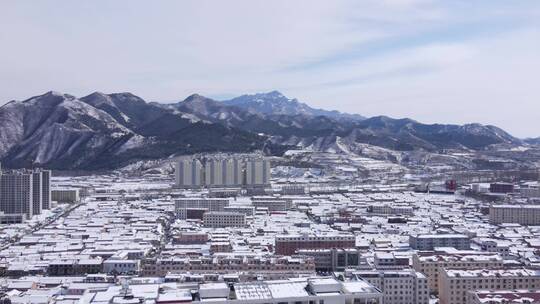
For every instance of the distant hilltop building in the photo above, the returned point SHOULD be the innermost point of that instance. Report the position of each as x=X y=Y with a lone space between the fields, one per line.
x=25 y=192
x=222 y=172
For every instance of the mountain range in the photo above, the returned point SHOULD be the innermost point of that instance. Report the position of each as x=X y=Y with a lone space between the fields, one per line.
x=106 y=131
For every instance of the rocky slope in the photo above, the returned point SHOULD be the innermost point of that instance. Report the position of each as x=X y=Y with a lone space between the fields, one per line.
x=102 y=131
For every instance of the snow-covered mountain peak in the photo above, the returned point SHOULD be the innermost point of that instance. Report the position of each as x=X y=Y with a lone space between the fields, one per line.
x=101 y=130
x=275 y=103
x=97 y=99
x=54 y=93
x=49 y=98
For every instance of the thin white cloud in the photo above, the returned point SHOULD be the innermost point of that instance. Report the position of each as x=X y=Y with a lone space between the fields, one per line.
x=496 y=83
x=393 y=57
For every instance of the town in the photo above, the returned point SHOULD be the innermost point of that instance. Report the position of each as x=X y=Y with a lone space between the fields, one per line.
x=244 y=228
x=270 y=152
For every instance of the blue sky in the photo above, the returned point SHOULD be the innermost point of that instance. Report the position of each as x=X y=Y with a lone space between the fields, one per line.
x=433 y=61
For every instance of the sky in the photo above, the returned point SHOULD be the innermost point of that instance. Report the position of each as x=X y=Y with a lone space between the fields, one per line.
x=433 y=61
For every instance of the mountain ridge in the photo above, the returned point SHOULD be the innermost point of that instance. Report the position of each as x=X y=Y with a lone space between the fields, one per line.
x=110 y=130
x=104 y=131
x=274 y=102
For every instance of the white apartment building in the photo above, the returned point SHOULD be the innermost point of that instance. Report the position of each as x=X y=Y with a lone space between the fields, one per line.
x=37 y=188
x=214 y=169
x=334 y=259
x=17 y=193
x=65 y=195
x=245 y=209
x=432 y=263
x=257 y=172
x=390 y=260
x=223 y=172
x=496 y=246
x=227 y=264
x=398 y=286
x=311 y=290
x=216 y=219
x=234 y=173
x=287 y=244
x=520 y=214
x=11 y=218
x=520 y=296
x=391 y=209
x=25 y=191
x=188 y=173
x=430 y=241
x=272 y=203
x=315 y=290
x=210 y=204
x=454 y=285
x=45 y=189
x=121 y=266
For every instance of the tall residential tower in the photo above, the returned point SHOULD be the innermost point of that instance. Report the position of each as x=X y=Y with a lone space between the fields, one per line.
x=25 y=192
x=188 y=173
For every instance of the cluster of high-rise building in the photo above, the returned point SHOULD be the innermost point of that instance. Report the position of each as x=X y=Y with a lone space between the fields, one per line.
x=215 y=238
x=222 y=172
x=24 y=192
